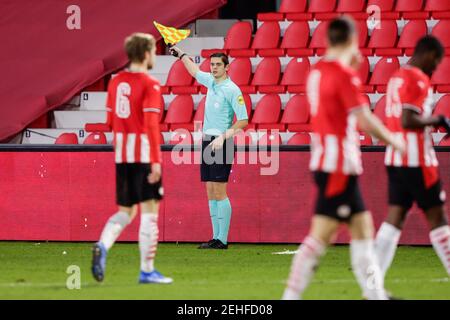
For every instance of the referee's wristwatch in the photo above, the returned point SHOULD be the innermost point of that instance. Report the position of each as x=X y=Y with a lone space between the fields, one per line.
x=181 y=57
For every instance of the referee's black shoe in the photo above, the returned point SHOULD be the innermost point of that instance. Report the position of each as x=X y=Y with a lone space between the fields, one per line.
x=219 y=245
x=207 y=245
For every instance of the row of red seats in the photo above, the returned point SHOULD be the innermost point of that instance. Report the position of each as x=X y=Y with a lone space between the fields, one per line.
x=269 y=79
x=384 y=40
x=359 y=9
x=185 y=138
x=268 y=113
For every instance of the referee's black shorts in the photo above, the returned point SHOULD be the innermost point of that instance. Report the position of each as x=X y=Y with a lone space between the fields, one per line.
x=216 y=166
x=132 y=186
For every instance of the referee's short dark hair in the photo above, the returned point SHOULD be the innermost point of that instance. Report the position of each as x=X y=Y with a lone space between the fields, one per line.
x=428 y=44
x=221 y=55
x=340 y=30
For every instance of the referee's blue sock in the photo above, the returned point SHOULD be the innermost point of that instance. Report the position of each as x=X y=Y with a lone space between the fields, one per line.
x=224 y=214
x=214 y=218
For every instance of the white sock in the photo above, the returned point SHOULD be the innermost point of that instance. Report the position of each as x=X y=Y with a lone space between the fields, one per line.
x=303 y=266
x=366 y=269
x=113 y=228
x=148 y=240
x=385 y=245
x=440 y=238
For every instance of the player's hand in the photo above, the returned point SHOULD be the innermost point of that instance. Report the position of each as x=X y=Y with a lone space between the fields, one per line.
x=155 y=175
x=444 y=123
x=217 y=143
x=398 y=143
x=175 y=51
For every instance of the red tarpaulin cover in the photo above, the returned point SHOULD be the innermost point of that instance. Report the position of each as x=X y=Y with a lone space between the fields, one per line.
x=43 y=63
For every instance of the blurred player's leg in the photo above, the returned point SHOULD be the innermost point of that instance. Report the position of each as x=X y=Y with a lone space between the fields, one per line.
x=388 y=236
x=364 y=261
x=440 y=234
x=148 y=243
x=307 y=257
x=113 y=228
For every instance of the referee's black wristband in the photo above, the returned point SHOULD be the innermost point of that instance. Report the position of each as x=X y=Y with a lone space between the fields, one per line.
x=181 y=57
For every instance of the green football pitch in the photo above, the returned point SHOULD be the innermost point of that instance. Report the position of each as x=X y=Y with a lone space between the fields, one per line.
x=245 y=271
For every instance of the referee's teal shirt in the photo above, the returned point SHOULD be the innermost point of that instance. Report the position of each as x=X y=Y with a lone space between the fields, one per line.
x=223 y=100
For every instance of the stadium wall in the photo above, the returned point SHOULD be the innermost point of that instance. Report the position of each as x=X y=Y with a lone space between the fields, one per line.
x=69 y=195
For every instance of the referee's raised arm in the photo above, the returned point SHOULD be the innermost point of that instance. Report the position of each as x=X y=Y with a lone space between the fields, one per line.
x=190 y=65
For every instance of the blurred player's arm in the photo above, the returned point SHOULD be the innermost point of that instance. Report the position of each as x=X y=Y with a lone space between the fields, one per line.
x=152 y=110
x=372 y=125
x=412 y=120
x=190 y=65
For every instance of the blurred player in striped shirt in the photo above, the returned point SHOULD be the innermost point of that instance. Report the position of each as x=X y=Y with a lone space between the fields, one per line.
x=134 y=106
x=414 y=176
x=338 y=109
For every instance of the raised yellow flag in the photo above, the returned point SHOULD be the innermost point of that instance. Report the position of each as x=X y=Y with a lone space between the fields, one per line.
x=171 y=35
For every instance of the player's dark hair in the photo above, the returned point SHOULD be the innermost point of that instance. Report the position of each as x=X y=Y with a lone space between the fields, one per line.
x=428 y=44
x=340 y=30
x=221 y=55
x=137 y=44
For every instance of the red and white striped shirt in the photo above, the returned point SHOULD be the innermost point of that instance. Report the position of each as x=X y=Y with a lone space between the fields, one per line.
x=134 y=106
x=409 y=88
x=333 y=93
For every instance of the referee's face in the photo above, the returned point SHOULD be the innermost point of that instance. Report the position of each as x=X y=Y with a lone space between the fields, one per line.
x=218 y=68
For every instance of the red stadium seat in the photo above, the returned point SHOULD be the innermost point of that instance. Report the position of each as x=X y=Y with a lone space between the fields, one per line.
x=319 y=38
x=443 y=106
x=239 y=36
x=300 y=138
x=182 y=137
x=295 y=10
x=386 y=8
x=411 y=9
x=441 y=31
x=363 y=70
x=267 y=40
x=365 y=139
x=441 y=76
x=296 y=114
x=267 y=76
x=322 y=9
x=270 y=139
x=286 y=7
x=67 y=138
x=383 y=71
x=439 y=9
x=295 y=74
x=355 y=8
x=179 y=80
x=243 y=139
x=240 y=72
x=380 y=108
x=363 y=34
x=384 y=39
x=445 y=141
x=296 y=38
x=267 y=113
x=197 y=121
x=205 y=66
x=97 y=127
x=95 y=138
x=412 y=32
x=179 y=111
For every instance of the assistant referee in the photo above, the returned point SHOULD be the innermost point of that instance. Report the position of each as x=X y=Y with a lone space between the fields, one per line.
x=223 y=100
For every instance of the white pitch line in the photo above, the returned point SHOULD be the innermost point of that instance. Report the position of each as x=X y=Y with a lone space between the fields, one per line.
x=286 y=252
